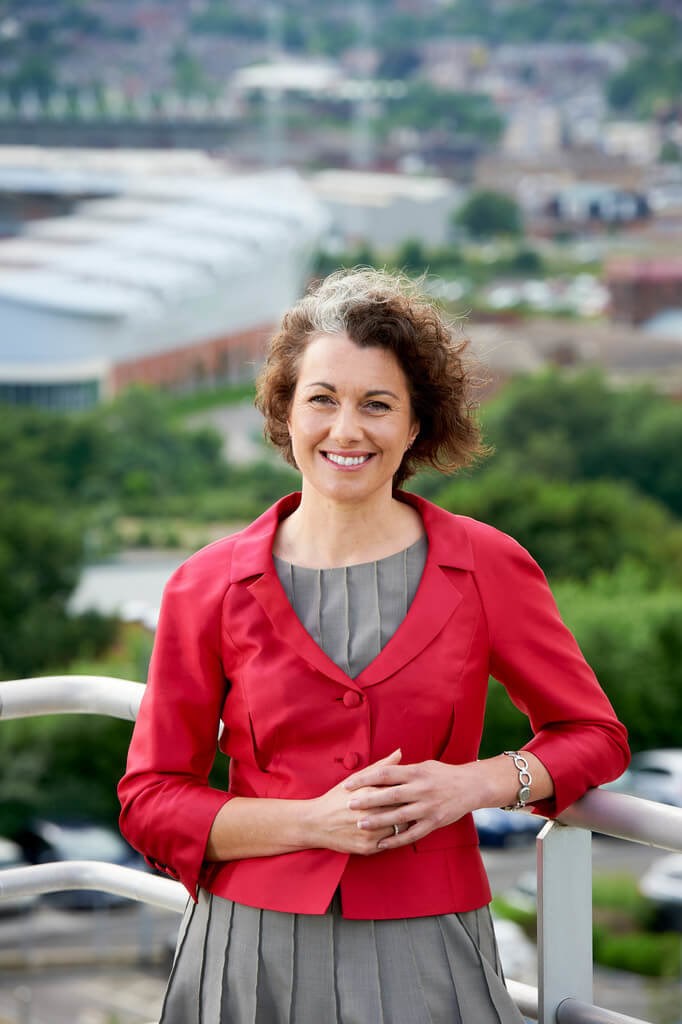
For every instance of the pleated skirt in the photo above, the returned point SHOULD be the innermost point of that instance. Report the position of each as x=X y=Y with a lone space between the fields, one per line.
x=240 y=965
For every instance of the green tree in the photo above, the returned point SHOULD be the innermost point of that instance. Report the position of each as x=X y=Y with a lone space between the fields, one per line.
x=631 y=634
x=45 y=760
x=469 y=114
x=36 y=74
x=488 y=214
x=573 y=529
x=190 y=79
x=398 y=61
x=575 y=427
x=41 y=554
x=411 y=256
x=670 y=152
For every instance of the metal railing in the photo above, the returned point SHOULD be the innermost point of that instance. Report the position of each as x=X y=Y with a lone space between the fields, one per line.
x=564 y=862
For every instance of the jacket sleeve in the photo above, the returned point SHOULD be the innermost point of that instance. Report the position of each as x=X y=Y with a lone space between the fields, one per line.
x=577 y=735
x=167 y=805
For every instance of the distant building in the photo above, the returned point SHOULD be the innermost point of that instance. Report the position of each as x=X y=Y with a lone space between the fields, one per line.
x=453 y=64
x=624 y=353
x=638 y=141
x=640 y=289
x=386 y=209
x=555 y=67
x=593 y=203
x=164 y=269
x=533 y=128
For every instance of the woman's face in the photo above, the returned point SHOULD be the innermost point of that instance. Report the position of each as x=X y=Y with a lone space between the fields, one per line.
x=350 y=419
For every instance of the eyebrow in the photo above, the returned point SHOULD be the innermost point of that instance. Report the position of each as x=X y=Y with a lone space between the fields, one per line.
x=367 y=394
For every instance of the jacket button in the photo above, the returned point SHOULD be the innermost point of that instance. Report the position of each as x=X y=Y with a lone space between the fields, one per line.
x=351 y=760
x=352 y=699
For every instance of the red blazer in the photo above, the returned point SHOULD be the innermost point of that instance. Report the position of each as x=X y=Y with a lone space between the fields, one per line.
x=230 y=647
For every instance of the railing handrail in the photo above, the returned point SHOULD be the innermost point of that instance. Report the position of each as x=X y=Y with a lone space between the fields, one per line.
x=60 y=876
x=627 y=817
x=59 y=695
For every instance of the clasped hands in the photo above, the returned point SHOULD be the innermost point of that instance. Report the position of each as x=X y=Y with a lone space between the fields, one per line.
x=360 y=813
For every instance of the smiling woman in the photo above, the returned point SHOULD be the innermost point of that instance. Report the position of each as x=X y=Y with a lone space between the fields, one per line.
x=345 y=639
x=350 y=423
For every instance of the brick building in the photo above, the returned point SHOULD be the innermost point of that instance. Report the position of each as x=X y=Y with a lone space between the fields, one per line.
x=642 y=288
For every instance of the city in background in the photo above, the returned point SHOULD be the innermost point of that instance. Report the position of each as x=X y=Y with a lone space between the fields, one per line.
x=172 y=175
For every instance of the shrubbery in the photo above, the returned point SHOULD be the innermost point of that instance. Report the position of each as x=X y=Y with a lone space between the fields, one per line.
x=620 y=937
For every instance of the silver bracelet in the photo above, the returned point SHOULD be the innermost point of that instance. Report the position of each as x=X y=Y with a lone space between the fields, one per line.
x=525 y=780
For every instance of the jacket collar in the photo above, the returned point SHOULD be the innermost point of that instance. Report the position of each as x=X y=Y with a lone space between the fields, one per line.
x=435 y=602
x=449 y=543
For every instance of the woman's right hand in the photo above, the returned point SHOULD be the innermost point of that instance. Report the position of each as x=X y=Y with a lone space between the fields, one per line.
x=333 y=826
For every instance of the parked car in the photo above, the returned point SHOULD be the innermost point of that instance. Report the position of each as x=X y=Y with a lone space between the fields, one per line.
x=497 y=827
x=11 y=856
x=661 y=883
x=43 y=841
x=653 y=775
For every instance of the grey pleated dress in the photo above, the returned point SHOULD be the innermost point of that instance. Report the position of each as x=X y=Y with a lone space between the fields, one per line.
x=240 y=965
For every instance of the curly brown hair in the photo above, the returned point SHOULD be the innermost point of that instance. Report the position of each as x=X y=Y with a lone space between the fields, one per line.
x=388 y=310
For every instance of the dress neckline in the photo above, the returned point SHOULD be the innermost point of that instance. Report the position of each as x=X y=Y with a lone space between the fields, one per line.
x=423 y=540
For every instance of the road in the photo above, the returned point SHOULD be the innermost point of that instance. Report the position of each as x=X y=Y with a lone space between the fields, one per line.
x=241 y=427
x=131 y=994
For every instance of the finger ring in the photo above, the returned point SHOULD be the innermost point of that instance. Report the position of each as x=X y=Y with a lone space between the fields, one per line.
x=396 y=830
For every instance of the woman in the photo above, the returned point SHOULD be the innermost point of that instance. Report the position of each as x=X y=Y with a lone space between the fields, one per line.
x=345 y=639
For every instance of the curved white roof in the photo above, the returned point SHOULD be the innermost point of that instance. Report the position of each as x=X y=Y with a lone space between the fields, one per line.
x=186 y=248
x=157 y=274
x=50 y=288
x=168 y=254
x=72 y=229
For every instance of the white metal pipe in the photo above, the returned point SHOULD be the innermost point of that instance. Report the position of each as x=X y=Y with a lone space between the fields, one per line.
x=572 y=1011
x=627 y=817
x=525 y=997
x=90 y=695
x=98 y=875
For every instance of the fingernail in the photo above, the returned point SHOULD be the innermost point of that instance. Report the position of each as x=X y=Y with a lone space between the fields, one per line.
x=381 y=845
x=352 y=804
x=363 y=823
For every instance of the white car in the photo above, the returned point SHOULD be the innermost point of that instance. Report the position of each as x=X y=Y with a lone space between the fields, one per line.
x=653 y=775
x=662 y=884
x=11 y=856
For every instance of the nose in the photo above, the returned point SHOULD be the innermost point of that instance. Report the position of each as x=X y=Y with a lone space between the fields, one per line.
x=346 y=427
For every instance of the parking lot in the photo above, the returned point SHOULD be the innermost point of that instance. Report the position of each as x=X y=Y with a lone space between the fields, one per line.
x=106 y=965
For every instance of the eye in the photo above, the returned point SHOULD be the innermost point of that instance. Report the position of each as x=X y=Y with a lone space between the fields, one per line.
x=321 y=399
x=376 y=406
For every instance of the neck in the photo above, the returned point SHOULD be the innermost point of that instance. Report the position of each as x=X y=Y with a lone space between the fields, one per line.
x=324 y=534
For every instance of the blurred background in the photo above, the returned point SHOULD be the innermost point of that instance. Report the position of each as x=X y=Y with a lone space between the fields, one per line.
x=172 y=174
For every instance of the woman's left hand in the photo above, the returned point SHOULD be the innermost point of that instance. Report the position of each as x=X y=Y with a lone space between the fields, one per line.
x=426 y=796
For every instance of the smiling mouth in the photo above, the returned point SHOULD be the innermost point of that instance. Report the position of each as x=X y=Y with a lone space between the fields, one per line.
x=348 y=461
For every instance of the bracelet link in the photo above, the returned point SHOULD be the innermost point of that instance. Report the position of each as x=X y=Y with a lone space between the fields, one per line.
x=525 y=780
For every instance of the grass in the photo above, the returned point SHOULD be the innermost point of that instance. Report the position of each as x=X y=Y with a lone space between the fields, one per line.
x=211 y=398
x=622 y=935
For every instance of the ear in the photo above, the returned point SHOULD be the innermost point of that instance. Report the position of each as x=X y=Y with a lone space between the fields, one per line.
x=414 y=433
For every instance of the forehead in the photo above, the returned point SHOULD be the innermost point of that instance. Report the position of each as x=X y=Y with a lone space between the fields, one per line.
x=336 y=358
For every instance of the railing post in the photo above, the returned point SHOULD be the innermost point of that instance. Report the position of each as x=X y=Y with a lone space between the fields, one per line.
x=564 y=866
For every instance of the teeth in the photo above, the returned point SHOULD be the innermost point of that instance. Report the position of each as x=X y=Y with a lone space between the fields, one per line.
x=347 y=460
